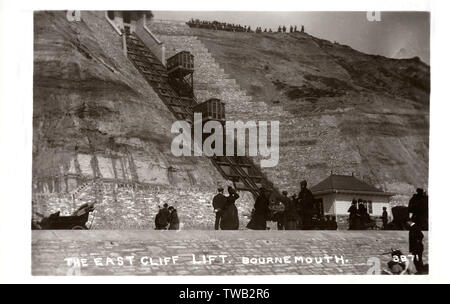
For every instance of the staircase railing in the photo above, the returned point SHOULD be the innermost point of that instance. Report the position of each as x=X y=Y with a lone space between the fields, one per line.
x=234 y=166
x=246 y=179
x=114 y=26
x=119 y=32
x=150 y=40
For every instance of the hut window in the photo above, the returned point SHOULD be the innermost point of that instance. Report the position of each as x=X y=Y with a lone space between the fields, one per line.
x=369 y=206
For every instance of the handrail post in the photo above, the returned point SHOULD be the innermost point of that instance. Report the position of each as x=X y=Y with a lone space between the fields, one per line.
x=124 y=44
x=163 y=54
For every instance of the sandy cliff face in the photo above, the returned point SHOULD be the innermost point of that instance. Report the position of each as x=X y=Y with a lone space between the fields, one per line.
x=339 y=110
x=95 y=116
x=342 y=111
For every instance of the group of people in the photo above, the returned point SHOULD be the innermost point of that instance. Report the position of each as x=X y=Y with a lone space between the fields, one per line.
x=227 y=217
x=292 y=29
x=290 y=213
x=298 y=212
x=359 y=218
x=281 y=29
x=167 y=218
x=231 y=27
x=416 y=222
x=220 y=26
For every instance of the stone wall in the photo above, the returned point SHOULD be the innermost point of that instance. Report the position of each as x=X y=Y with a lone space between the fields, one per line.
x=357 y=252
x=95 y=118
x=134 y=206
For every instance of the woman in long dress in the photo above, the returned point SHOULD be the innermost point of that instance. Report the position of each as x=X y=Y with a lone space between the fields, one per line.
x=230 y=218
x=261 y=212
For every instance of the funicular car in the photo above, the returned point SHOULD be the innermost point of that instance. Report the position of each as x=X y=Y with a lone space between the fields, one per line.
x=180 y=69
x=211 y=109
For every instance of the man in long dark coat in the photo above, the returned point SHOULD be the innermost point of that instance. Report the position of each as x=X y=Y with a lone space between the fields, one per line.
x=353 y=216
x=306 y=202
x=230 y=218
x=385 y=218
x=363 y=215
x=418 y=209
x=260 y=215
x=219 y=202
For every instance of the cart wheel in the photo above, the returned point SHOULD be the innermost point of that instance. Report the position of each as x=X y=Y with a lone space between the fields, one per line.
x=78 y=228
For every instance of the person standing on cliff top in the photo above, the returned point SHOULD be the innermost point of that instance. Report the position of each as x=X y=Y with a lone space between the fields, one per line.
x=219 y=202
x=306 y=202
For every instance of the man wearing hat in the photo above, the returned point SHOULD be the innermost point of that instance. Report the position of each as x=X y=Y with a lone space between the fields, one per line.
x=418 y=208
x=219 y=202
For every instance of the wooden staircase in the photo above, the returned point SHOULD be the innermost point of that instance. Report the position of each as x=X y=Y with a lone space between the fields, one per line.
x=241 y=170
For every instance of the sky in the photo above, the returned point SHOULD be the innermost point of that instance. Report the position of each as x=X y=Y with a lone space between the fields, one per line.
x=407 y=33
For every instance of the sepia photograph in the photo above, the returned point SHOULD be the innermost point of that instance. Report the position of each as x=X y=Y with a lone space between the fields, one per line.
x=224 y=151
x=230 y=143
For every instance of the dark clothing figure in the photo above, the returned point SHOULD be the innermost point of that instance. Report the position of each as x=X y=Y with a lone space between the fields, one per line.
x=363 y=215
x=162 y=218
x=278 y=214
x=385 y=219
x=416 y=246
x=353 y=217
x=332 y=224
x=260 y=216
x=306 y=204
x=230 y=217
x=174 y=221
x=290 y=215
x=418 y=208
x=219 y=203
x=400 y=218
x=321 y=224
